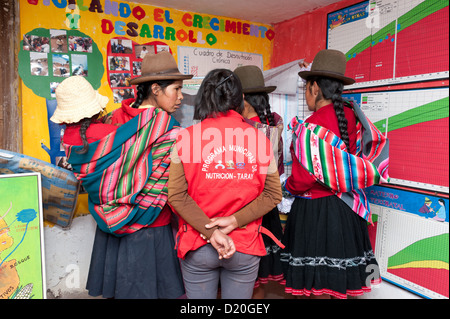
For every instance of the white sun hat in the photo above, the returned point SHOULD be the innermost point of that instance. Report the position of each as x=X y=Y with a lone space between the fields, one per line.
x=76 y=99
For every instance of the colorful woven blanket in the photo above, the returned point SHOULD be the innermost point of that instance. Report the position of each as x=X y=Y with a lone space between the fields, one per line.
x=325 y=156
x=125 y=173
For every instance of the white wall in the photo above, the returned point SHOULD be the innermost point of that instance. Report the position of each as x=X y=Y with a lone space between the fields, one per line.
x=68 y=254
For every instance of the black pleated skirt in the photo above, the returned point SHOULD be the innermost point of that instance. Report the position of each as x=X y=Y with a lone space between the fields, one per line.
x=142 y=265
x=328 y=250
x=270 y=265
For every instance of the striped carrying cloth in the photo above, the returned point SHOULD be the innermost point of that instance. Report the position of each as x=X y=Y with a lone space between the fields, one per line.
x=125 y=173
x=324 y=155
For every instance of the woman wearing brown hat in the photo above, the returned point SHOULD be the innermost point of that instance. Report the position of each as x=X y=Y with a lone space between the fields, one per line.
x=328 y=252
x=125 y=173
x=258 y=113
x=143 y=263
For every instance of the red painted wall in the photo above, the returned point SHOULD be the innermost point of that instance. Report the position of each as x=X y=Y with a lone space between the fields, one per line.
x=303 y=36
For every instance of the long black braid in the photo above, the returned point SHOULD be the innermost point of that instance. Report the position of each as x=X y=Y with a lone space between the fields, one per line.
x=260 y=102
x=145 y=89
x=332 y=90
x=83 y=129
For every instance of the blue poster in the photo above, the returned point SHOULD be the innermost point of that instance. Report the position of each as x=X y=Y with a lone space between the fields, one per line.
x=347 y=15
x=424 y=205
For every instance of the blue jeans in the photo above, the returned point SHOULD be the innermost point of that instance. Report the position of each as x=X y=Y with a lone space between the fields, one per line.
x=202 y=269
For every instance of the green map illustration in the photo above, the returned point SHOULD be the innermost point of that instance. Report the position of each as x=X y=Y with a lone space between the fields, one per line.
x=21 y=253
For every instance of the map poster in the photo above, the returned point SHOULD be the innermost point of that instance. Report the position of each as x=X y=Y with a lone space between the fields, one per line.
x=22 y=269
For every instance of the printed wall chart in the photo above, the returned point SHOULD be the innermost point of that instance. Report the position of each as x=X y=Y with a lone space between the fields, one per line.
x=417 y=125
x=410 y=237
x=392 y=41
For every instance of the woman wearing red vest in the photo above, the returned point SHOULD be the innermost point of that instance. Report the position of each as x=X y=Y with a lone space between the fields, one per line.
x=136 y=261
x=221 y=168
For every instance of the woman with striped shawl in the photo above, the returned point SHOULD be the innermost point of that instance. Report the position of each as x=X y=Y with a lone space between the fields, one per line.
x=125 y=173
x=336 y=153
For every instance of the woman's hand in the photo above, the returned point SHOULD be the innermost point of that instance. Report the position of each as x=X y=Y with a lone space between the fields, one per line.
x=223 y=244
x=226 y=224
x=304 y=65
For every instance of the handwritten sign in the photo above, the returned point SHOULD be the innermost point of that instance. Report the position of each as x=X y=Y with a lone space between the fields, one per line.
x=199 y=61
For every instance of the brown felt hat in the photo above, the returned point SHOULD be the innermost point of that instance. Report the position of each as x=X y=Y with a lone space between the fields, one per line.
x=252 y=80
x=329 y=63
x=160 y=66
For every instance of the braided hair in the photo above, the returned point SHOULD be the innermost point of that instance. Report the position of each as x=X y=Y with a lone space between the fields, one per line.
x=83 y=129
x=144 y=90
x=332 y=90
x=260 y=102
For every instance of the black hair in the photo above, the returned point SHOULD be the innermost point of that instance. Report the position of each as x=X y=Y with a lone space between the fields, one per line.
x=144 y=90
x=332 y=90
x=261 y=104
x=220 y=91
x=85 y=123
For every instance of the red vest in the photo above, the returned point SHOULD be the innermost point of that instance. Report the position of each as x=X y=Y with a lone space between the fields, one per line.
x=225 y=162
